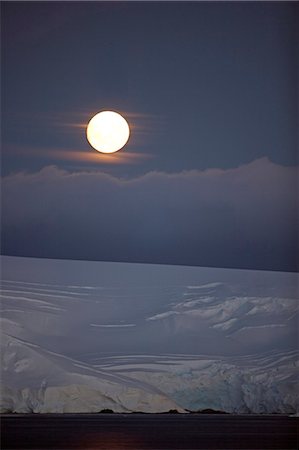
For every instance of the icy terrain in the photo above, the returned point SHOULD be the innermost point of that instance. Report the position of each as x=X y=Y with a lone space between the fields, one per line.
x=83 y=336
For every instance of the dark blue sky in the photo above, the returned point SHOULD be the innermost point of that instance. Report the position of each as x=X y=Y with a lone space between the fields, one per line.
x=203 y=86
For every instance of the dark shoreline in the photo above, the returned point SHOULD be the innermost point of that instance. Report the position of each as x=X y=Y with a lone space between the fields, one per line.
x=140 y=413
x=223 y=415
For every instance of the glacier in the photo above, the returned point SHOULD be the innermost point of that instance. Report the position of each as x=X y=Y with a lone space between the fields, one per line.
x=81 y=336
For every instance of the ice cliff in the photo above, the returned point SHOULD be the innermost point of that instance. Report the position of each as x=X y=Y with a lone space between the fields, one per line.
x=86 y=336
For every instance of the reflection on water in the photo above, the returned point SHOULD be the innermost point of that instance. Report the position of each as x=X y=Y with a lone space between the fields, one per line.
x=144 y=432
x=109 y=441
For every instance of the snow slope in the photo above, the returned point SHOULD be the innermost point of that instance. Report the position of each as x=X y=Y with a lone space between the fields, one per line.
x=83 y=336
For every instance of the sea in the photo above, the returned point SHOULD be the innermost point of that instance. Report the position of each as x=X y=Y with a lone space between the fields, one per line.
x=148 y=431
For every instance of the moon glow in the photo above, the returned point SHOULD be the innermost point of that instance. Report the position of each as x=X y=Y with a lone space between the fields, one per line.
x=107 y=132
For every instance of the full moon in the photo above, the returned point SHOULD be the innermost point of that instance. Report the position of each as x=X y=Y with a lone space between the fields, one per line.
x=107 y=132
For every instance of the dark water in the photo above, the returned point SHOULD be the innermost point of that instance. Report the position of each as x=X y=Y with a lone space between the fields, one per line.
x=155 y=431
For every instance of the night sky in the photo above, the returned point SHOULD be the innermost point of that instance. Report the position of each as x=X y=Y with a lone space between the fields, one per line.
x=210 y=91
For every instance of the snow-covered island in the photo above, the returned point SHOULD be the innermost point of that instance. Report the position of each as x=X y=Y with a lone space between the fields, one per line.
x=83 y=336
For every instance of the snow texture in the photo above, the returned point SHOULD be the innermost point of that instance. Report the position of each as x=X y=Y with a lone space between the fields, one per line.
x=83 y=336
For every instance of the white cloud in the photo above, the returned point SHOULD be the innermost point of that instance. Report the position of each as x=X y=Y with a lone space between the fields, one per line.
x=242 y=217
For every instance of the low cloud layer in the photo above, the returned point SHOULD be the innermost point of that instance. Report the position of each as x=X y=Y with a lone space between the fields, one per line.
x=243 y=217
